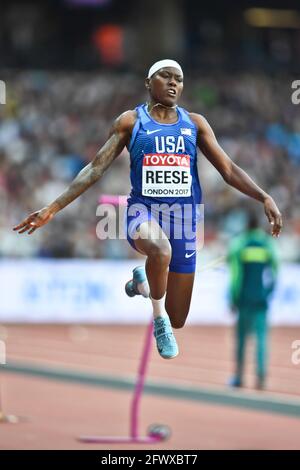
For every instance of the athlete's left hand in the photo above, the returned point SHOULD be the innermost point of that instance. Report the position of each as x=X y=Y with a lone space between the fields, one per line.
x=274 y=216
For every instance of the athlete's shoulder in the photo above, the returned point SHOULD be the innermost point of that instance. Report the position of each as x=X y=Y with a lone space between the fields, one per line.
x=199 y=120
x=126 y=121
x=123 y=125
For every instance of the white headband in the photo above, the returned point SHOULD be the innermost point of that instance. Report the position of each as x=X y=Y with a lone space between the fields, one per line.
x=163 y=63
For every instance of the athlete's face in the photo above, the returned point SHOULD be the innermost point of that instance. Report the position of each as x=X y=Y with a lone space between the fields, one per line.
x=165 y=86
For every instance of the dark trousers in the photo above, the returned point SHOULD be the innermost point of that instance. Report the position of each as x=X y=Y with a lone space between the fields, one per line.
x=252 y=320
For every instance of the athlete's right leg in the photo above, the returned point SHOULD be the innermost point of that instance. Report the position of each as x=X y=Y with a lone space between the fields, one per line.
x=149 y=239
x=152 y=242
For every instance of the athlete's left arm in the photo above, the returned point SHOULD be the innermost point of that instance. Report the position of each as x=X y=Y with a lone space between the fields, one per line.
x=232 y=173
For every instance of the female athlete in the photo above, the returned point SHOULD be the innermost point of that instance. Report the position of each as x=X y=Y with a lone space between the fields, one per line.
x=162 y=140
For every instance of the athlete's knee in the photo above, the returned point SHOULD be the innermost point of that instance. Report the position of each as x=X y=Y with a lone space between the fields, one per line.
x=177 y=318
x=177 y=322
x=177 y=313
x=160 y=253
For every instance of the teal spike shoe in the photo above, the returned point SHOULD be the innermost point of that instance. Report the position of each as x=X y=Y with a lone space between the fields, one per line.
x=165 y=340
x=139 y=277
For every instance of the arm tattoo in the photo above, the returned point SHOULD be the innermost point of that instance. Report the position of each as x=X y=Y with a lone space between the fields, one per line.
x=91 y=172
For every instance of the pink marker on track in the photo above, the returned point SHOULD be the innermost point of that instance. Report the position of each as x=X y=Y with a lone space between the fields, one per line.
x=156 y=432
x=113 y=199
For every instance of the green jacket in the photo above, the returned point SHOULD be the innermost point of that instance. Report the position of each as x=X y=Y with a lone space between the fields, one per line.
x=253 y=266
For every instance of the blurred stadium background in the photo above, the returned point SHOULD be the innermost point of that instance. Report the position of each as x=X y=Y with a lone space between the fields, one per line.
x=70 y=67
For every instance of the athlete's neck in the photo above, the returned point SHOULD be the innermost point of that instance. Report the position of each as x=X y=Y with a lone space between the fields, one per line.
x=161 y=112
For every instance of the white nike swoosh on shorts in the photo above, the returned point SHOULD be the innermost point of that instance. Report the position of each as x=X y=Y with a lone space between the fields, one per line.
x=152 y=132
x=188 y=255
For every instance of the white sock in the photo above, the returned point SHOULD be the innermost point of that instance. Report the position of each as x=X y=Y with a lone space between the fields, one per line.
x=159 y=307
x=143 y=288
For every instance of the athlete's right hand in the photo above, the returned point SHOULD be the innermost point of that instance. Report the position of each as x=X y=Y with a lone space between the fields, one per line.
x=35 y=220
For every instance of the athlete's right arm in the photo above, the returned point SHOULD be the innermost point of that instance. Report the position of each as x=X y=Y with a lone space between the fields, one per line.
x=119 y=136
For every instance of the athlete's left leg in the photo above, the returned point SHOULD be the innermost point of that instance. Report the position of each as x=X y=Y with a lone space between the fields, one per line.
x=178 y=298
x=181 y=271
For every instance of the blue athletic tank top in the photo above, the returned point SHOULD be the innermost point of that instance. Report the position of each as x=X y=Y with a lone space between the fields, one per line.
x=163 y=160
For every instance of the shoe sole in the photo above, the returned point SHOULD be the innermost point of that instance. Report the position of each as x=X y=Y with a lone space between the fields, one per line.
x=169 y=357
x=128 y=291
x=136 y=277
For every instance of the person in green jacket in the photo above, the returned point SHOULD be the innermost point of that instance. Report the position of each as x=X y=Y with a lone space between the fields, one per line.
x=253 y=267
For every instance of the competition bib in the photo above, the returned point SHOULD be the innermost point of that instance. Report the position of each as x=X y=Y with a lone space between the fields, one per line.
x=166 y=175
